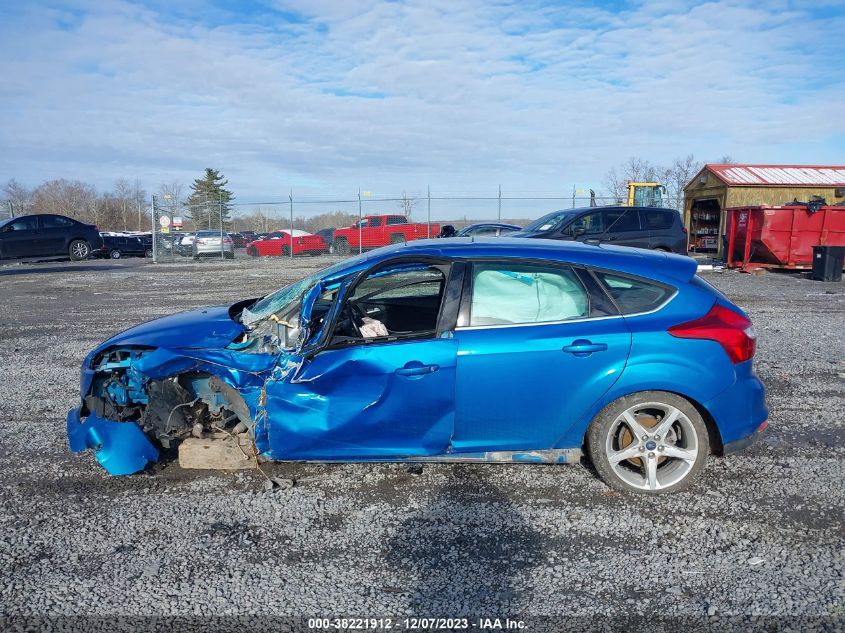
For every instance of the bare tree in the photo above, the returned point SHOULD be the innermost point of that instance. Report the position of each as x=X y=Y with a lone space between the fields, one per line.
x=139 y=200
x=408 y=205
x=674 y=176
x=170 y=197
x=67 y=197
x=634 y=170
x=19 y=196
x=677 y=175
x=123 y=196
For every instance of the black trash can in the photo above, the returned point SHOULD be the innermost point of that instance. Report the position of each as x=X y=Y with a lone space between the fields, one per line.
x=827 y=262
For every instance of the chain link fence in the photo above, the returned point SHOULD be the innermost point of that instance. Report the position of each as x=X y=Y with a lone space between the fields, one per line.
x=175 y=224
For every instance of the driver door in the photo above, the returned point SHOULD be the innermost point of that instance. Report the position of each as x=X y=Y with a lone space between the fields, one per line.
x=387 y=396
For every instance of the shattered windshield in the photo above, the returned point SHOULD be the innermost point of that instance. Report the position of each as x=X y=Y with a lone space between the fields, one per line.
x=275 y=318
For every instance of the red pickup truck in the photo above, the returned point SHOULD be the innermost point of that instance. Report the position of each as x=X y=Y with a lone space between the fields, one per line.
x=374 y=231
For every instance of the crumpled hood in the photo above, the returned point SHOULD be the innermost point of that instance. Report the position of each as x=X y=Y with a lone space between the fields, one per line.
x=200 y=329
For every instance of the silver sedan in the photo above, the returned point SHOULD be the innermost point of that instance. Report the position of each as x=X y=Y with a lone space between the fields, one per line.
x=207 y=244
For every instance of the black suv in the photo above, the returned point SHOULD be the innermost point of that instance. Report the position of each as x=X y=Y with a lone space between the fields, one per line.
x=47 y=235
x=117 y=246
x=643 y=227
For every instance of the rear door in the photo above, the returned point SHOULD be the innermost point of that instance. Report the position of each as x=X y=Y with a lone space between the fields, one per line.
x=622 y=228
x=53 y=235
x=535 y=350
x=661 y=228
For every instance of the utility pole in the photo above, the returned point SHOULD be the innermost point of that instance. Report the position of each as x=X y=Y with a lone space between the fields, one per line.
x=11 y=209
x=153 y=228
x=222 y=249
x=360 y=218
x=429 y=212
x=290 y=197
x=500 y=203
x=139 y=216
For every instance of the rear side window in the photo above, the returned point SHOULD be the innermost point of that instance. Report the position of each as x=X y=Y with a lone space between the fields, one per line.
x=507 y=294
x=657 y=220
x=634 y=295
x=617 y=220
x=396 y=219
x=55 y=221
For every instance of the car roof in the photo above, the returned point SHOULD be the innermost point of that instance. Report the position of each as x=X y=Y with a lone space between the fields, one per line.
x=612 y=207
x=504 y=224
x=635 y=261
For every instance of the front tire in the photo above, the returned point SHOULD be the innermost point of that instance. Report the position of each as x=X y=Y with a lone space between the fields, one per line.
x=79 y=250
x=114 y=253
x=341 y=246
x=652 y=442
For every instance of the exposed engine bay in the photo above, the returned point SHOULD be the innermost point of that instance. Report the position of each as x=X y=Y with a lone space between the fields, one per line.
x=168 y=409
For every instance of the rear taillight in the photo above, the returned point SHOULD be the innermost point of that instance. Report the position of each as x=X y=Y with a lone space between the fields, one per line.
x=200 y=242
x=730 y=330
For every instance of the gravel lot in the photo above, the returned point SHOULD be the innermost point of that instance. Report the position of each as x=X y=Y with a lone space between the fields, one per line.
x=760 y=534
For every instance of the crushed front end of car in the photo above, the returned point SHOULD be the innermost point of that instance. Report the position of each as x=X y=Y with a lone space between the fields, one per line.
x=192 y=375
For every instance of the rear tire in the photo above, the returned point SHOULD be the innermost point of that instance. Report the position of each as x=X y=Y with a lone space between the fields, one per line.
x=341 y=246
x=148 y=252
x=252 y=252
x=670 y=457
x=79 y=250
x=285 y=251
x=114 y=253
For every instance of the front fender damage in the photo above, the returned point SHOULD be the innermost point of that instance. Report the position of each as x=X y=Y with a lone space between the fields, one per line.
x=137 y=401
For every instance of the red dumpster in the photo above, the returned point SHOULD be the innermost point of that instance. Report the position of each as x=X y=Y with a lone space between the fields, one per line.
x=781 y=237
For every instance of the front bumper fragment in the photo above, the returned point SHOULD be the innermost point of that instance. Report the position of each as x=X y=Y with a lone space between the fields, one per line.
x=120 y=447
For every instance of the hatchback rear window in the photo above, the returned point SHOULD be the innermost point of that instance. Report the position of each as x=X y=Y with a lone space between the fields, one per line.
x=634 y=295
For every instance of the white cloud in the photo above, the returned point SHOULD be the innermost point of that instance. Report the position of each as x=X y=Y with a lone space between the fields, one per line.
x=326 y=96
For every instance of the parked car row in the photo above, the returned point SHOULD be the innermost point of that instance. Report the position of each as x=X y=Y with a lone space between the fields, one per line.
x=56 y=235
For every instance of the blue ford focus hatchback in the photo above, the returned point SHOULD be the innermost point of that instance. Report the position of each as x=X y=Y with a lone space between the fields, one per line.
x=464 y=349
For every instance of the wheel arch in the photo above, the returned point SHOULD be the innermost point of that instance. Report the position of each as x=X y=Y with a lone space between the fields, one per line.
x=582 y=427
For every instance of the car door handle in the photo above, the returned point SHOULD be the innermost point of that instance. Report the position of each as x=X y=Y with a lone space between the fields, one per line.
x=415 y=368
x=583 y=347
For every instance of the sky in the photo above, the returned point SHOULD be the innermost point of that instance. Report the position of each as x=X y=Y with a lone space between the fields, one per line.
x=324 y=97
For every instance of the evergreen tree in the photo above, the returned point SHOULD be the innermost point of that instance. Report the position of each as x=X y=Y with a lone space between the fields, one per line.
x=208 y=199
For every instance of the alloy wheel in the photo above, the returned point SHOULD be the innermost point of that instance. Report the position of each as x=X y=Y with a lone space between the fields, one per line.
x=651 y=446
